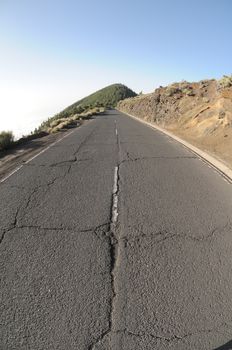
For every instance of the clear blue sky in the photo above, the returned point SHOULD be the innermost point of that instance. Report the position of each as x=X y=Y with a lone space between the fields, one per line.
x=55 y=52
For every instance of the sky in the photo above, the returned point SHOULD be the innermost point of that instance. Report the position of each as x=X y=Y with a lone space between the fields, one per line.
x=52 y=52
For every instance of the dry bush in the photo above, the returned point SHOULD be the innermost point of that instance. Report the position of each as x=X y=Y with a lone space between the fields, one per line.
x=6 y=139
x=225 y=81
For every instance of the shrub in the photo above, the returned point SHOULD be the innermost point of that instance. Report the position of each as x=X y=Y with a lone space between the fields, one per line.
x=75 y=117
x=67 y=119
x=56 y=122
x=225 y=81
x=54 y=130
x=172 y=90
x=188 y=91
x=64 y=124
x=6 y=139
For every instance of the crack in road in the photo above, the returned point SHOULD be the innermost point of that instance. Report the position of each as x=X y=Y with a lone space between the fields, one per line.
x=143 y=334
x=12 y=226
x=130 y=159
x=113 y=244
x=113 y=247
x=57 y=164
x=22 y=211
x=165 y=235
x=174 y=337
x=70 y=162
x=101 y=230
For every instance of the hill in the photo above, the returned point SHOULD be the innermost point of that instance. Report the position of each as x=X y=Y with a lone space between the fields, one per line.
x=106 y=97
x=199 y=112
x=93 y=104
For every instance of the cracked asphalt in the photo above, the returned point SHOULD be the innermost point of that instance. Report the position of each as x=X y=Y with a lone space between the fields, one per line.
x=117 y=238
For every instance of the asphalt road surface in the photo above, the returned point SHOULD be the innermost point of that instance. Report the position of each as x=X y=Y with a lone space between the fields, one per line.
x=117 y=237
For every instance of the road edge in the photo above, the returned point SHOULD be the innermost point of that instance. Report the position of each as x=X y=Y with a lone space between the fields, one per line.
x=223 y=169
x=40 y=151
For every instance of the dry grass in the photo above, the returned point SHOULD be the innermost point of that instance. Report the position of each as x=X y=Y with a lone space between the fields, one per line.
x=63 y=123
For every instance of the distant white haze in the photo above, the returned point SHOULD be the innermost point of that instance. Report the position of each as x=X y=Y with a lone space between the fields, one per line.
x=34 y=88
x=23 y=109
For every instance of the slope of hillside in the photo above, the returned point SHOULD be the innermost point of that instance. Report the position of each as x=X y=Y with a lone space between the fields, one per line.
x=106 y=97
x=90 y=105
x=200 y=113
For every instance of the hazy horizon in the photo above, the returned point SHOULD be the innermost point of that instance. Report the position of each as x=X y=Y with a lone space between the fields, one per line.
x=53 y=54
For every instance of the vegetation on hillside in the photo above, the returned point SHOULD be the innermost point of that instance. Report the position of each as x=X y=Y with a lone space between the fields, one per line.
x=61 y=121
x=225 y=81
x=107 y=97
x=93 y=104
x=6 y=139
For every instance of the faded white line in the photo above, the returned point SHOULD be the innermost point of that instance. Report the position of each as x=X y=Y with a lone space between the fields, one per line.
x=9 y=175
x=38 y=154
x=45 y=149
x=116 y=131
x=115 y=197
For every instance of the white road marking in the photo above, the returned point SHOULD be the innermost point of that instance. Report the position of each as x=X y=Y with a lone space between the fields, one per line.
x=9 y=175
x=115 y=196
x=116 y=131
x=29 y=160
x=45 y=149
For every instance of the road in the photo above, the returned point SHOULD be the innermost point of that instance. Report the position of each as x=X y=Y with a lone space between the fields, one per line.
x=117 y=237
